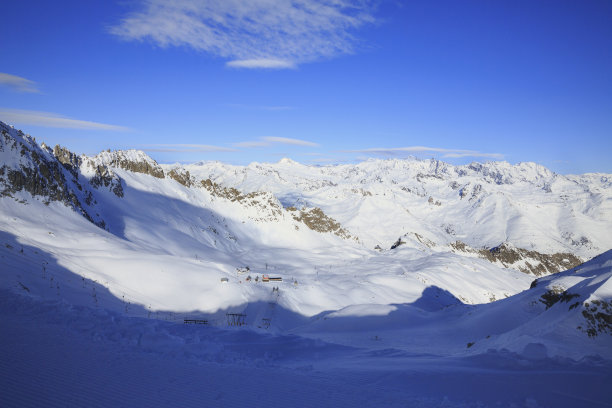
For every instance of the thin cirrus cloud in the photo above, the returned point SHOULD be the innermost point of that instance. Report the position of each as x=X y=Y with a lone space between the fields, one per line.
x=264 y=34
x=53 y=120
x=17 y=83
x=265 y=63
x=445 y=153
x=269 y=140
x=186 y=148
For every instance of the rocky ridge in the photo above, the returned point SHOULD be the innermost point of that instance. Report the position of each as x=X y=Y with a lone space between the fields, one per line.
x=56 y=174
x=35 y=169
x=533 y=262
x=582 y=291
x=438 y=188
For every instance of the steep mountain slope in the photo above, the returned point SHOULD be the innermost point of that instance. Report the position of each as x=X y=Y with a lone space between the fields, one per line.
x=25 y=166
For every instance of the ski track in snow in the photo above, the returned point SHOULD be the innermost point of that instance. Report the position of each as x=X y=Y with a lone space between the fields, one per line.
x=52 y=355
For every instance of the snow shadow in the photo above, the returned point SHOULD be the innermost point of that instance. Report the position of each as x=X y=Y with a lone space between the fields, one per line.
x=35 y=273
x=293 y=200
x=32 y=272
x=377 y=318
x=36 y=290
x=171 y=225
x=434 y=298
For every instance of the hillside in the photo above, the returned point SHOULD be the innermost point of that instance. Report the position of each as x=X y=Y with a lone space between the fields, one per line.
x=328 y=286
x=315 y=227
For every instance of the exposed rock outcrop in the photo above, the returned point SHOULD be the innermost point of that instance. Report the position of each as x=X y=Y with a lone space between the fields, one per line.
x=39 y=172
x=69 y=160
x=103 y=176
x=269 y=209
x=267 y=203
x=135 y=161
x=317 y=220
x=181 y=176
x=524 y=260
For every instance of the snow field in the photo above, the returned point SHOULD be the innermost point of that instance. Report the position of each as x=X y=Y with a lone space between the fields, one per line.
x=94 y=317
x=55 y=354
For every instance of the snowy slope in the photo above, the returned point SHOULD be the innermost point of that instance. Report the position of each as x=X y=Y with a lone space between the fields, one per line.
x=568 y=314
x=534 y=349
x=163 y=236
x=165 y=242
x=115 y=250
x=162 y=263
x=53 y=354
x=64 y=322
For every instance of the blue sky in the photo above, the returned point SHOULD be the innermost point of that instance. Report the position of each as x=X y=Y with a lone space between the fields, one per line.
x=319 y=81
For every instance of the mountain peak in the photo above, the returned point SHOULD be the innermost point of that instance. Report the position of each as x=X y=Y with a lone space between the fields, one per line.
x=286 y=160
x=133 y=160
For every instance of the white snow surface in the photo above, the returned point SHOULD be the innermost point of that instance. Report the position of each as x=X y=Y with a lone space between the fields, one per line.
x=347 y=325
x=68 y=341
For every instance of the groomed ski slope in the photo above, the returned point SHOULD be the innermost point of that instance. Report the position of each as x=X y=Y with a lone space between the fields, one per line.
x=68 y=341
x=54 y=353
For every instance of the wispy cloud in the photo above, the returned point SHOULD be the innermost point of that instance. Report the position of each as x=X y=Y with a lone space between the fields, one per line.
x=186 y=148
x=48 y=119
x=289 y=141
x=445 y=153
x=18 y=84
x=256 y=143
x=269 y=140
x=262 y=63
x=272 y=34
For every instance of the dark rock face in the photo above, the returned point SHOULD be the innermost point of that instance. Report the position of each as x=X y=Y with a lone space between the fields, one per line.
x=531 y=262
x=317 y=220
x=152 y=169
x=42 y=174
x=544 y=263
x=397 y=243
x=105 y=177
x=217 y=190
x=45 y=180
x=313 y=218
x=598 y=317
x=69 y=160
x=555 y=295
x=269 y=208
x=181 y=176
x=413 y=237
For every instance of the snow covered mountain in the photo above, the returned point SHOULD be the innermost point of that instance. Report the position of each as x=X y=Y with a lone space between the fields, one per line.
x=378 y=232
x=349 y=272
x=482 y=205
